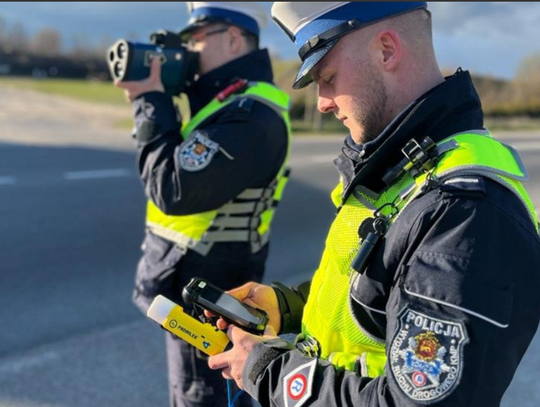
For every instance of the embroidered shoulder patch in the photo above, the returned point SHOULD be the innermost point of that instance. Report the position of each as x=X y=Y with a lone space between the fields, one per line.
x=197 y=152
x=426 y=355
x=297 y=384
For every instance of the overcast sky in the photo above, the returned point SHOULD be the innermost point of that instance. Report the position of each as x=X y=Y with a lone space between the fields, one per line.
x=487 y=38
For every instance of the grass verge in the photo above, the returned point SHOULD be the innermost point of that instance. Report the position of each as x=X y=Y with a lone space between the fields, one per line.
x=106 y=93
x=89 y=91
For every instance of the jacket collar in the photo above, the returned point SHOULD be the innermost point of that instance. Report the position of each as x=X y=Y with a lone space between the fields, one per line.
x=449 y=108
x=255 y=66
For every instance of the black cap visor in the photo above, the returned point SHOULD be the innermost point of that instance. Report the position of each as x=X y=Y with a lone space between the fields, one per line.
x=202 y=22
x=304 y=77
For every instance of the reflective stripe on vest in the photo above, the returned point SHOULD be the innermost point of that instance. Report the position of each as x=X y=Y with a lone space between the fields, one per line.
x=248 y=217
x=327 y=315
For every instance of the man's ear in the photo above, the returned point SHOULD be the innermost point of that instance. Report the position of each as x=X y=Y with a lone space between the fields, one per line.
x=390 y=49
x=235 y=40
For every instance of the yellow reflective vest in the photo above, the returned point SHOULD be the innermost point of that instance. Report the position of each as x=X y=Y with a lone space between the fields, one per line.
x=327 y=317
x=248 y=217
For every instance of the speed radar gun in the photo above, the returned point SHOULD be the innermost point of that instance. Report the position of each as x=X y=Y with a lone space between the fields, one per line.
x=172 y=317
x=130 y=61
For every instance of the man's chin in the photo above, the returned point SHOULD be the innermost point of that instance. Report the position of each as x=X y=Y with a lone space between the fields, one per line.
x=357 y=136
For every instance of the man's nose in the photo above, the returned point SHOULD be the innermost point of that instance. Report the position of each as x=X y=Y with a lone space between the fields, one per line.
x=325 y=104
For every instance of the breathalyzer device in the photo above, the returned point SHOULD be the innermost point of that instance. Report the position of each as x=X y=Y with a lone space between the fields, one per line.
x=172 y=317
x=232 y=310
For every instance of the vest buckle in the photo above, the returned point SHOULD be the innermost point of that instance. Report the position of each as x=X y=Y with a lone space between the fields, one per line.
x=309 y=346
x=419 y=158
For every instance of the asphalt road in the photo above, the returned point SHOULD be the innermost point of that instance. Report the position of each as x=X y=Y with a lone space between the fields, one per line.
x=72 y=216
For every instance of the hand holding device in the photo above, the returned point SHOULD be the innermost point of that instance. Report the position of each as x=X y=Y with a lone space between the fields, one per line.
x=133 y=89
x=130 y=61
x=232 y=361
x=259 y=296
x=226 y=306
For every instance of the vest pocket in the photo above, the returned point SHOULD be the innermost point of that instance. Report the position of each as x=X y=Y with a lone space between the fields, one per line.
x=446 y=280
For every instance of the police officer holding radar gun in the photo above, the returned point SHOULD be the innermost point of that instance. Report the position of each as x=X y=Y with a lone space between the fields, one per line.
x=428 y=291
x=213 y=182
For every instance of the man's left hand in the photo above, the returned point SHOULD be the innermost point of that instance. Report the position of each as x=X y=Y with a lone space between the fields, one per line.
x=232 y=362
x=134 y=89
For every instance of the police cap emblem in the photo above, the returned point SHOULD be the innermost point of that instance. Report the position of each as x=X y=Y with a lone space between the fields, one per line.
x=426 y=355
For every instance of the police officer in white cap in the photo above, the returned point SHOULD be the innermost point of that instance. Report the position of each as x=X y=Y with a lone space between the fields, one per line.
x=427 y=291
x=213 y=183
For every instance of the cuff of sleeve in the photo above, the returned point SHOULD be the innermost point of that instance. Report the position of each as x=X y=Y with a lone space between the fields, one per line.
x=259 y=359
x=291 y=308
x=155 y=115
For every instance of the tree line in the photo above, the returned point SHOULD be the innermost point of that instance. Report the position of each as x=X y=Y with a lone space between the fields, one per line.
x=501 y=98
x=49 y=42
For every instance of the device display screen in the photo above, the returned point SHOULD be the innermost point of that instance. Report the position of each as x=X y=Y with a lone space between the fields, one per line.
x=231 y=304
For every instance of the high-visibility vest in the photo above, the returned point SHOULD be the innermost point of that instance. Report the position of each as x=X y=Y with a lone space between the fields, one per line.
x=248 y=217
x=327 y=316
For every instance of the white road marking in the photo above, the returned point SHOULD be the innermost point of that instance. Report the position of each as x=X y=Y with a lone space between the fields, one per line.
x=57 y=353
x=95 y=174
x=27 y=362
x=7 y=181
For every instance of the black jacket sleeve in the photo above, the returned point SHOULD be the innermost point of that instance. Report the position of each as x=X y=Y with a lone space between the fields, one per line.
x=247 y=147
x=462 y=306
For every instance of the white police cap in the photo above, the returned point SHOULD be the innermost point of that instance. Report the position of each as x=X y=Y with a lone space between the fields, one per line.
x=247 y=15
x=315 y=27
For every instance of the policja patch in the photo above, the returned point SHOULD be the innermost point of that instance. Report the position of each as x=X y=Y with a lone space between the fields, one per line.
x=297 y=384
x=197 y=152
x=426 y=355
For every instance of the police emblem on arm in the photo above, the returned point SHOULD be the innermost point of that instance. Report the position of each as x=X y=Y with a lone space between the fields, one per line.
x=426 y=355
x=196 y=152
x=297 y=385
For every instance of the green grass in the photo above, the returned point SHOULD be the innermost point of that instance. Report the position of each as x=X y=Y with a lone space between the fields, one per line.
x=90 y=91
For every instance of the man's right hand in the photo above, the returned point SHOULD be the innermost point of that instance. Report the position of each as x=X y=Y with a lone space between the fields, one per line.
x=134 y=89
x=258 y=296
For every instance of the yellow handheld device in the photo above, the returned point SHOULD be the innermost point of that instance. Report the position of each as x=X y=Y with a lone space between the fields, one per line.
x=172 y=317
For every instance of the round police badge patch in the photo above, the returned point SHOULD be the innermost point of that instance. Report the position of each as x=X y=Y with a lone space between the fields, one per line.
x=419 y=379
x=426 y=355
x=197 y=152
x=297 y=386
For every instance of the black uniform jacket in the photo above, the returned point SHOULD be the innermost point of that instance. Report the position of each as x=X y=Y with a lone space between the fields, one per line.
x=453 y=290
x=247 y=144
x=251 y=138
